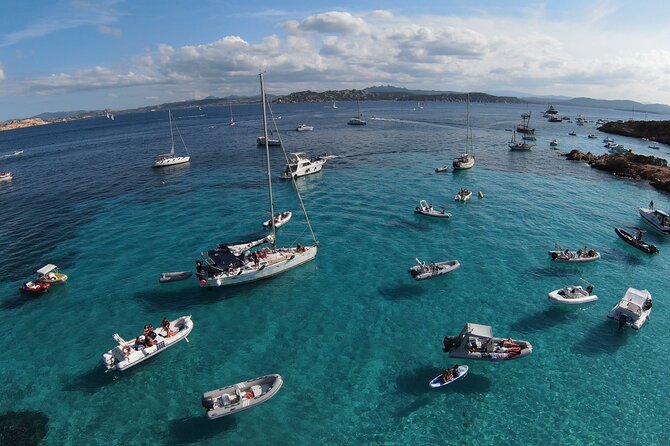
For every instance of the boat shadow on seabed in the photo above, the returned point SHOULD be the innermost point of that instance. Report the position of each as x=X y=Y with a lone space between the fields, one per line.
x=543 y=319
x=400 y=291
x=199 y=428
x=602 y=339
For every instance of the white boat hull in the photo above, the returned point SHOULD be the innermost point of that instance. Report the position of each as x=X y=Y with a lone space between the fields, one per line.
x=313 y=167
x=633 y=309
x=240 y=396
x=559 y=256
x=124 y=356
x=437 y=381
x=250 y=273
x=574 y=295
x=652 y=220
x=421 y=272
x=171 y=161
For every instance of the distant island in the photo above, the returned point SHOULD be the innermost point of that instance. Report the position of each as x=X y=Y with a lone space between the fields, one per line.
x=628 y=165
x=658 y=131
x=376 y=93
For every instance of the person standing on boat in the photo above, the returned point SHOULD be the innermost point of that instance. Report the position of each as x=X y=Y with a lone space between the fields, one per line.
x=651 y=205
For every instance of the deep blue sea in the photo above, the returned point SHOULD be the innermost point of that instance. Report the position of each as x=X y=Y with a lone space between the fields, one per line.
x=354 y=337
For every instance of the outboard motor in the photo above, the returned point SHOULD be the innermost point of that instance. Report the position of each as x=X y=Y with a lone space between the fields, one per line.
x=208 y=402
x=449 y=343
x=622 y=321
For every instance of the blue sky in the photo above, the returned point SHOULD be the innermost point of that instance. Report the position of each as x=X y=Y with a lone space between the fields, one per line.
x=93 y=54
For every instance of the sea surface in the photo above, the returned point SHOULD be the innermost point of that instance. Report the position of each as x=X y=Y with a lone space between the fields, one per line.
x=355 y=338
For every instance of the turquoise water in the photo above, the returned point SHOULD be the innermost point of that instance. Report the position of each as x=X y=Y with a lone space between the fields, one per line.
x=354 y=337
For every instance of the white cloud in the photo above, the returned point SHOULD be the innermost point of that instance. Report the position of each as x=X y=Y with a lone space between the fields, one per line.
x=339 y=49
x=80 y=13
x=104 y=29
x=334 y=22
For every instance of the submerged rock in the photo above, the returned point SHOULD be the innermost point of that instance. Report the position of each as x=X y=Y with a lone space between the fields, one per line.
x=23 y=428
x=629 y=165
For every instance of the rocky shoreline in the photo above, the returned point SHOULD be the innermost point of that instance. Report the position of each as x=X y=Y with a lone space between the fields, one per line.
x=628 y=165
x=658 y=131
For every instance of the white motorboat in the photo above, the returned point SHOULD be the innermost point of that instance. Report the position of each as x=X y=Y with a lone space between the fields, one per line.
x=280 y=219
x=426 y=208
x=127 y=354
x=6 y=176
x=304 y=128
x=441 y=169
x=334 y=104
x=300 y=165
x=616 y=148
x=551 y=110
x=357 y=120
x=608 y=139
x=657 y=218
x=466 y=160
x=15 y=153
x=553 y=143
x=233 y=264
x=170 y=159
x=573 y=295
x=240 y=396
x=592 y=136
x=581 y=255
x=260 y=141
x=633 y=309
x=50 y=274
x=175 y=276
x=476 y=341
x=422 y=271
x=463 y=195
x=449 y=376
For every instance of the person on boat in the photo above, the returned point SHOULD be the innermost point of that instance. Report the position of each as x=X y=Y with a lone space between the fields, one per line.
x=454 y=371
x=638 y=236
x=651 y=205
x=589 y=289
x=166 y=326
x=446 y=376
x=139 y=343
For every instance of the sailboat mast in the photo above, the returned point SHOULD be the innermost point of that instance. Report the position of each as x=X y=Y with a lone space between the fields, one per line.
x=468 y=141
x=267 y=161
x=171 y=134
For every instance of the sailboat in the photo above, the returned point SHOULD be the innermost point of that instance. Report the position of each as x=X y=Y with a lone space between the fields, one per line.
x=236 y=263
x=232 y=121
x=466 y=160
x=357 y=120
x=169 y=159
x=519 y=146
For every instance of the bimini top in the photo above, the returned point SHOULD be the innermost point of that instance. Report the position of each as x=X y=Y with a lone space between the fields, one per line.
x=660 y=212
x=482 y=331
x=46 y=269
x=297 y=156
x=223 y=258
x=637 y=297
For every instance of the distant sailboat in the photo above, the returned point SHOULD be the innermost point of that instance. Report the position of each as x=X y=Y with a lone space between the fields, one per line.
x=232 y=121
x=357 y=120
x=169 y=159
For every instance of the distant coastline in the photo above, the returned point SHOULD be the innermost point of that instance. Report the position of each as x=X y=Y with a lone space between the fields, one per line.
x=658 y=131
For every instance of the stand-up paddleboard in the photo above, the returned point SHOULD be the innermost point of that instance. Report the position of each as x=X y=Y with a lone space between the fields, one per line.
x=437 y=381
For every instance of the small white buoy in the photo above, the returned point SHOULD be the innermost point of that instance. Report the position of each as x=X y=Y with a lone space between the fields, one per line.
x=162 y=182
x=480 y=194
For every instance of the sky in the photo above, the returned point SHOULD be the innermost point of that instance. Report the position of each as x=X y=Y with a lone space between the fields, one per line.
x=62 y=55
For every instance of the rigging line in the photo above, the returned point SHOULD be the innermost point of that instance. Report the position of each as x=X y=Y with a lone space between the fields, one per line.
x=295 y=186
x=180 y=137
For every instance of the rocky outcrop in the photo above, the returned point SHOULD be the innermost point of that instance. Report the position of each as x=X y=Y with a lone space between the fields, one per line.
x=21 y=123
x=658 y=131
x=629 y=165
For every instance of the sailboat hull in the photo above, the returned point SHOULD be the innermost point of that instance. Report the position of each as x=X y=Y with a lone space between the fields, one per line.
x=252 y=275
x=168 y=160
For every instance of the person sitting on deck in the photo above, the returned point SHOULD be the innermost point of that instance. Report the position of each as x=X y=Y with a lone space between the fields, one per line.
x=446 y=376
x=166 y=326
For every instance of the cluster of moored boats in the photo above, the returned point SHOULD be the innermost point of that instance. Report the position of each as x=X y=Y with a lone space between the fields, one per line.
x=476 y=341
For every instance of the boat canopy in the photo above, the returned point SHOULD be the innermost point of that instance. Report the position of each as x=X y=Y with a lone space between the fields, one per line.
x=637 y=297
x=476 y=330
x=46 y=269
x=660 y=212
x=222 y=258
